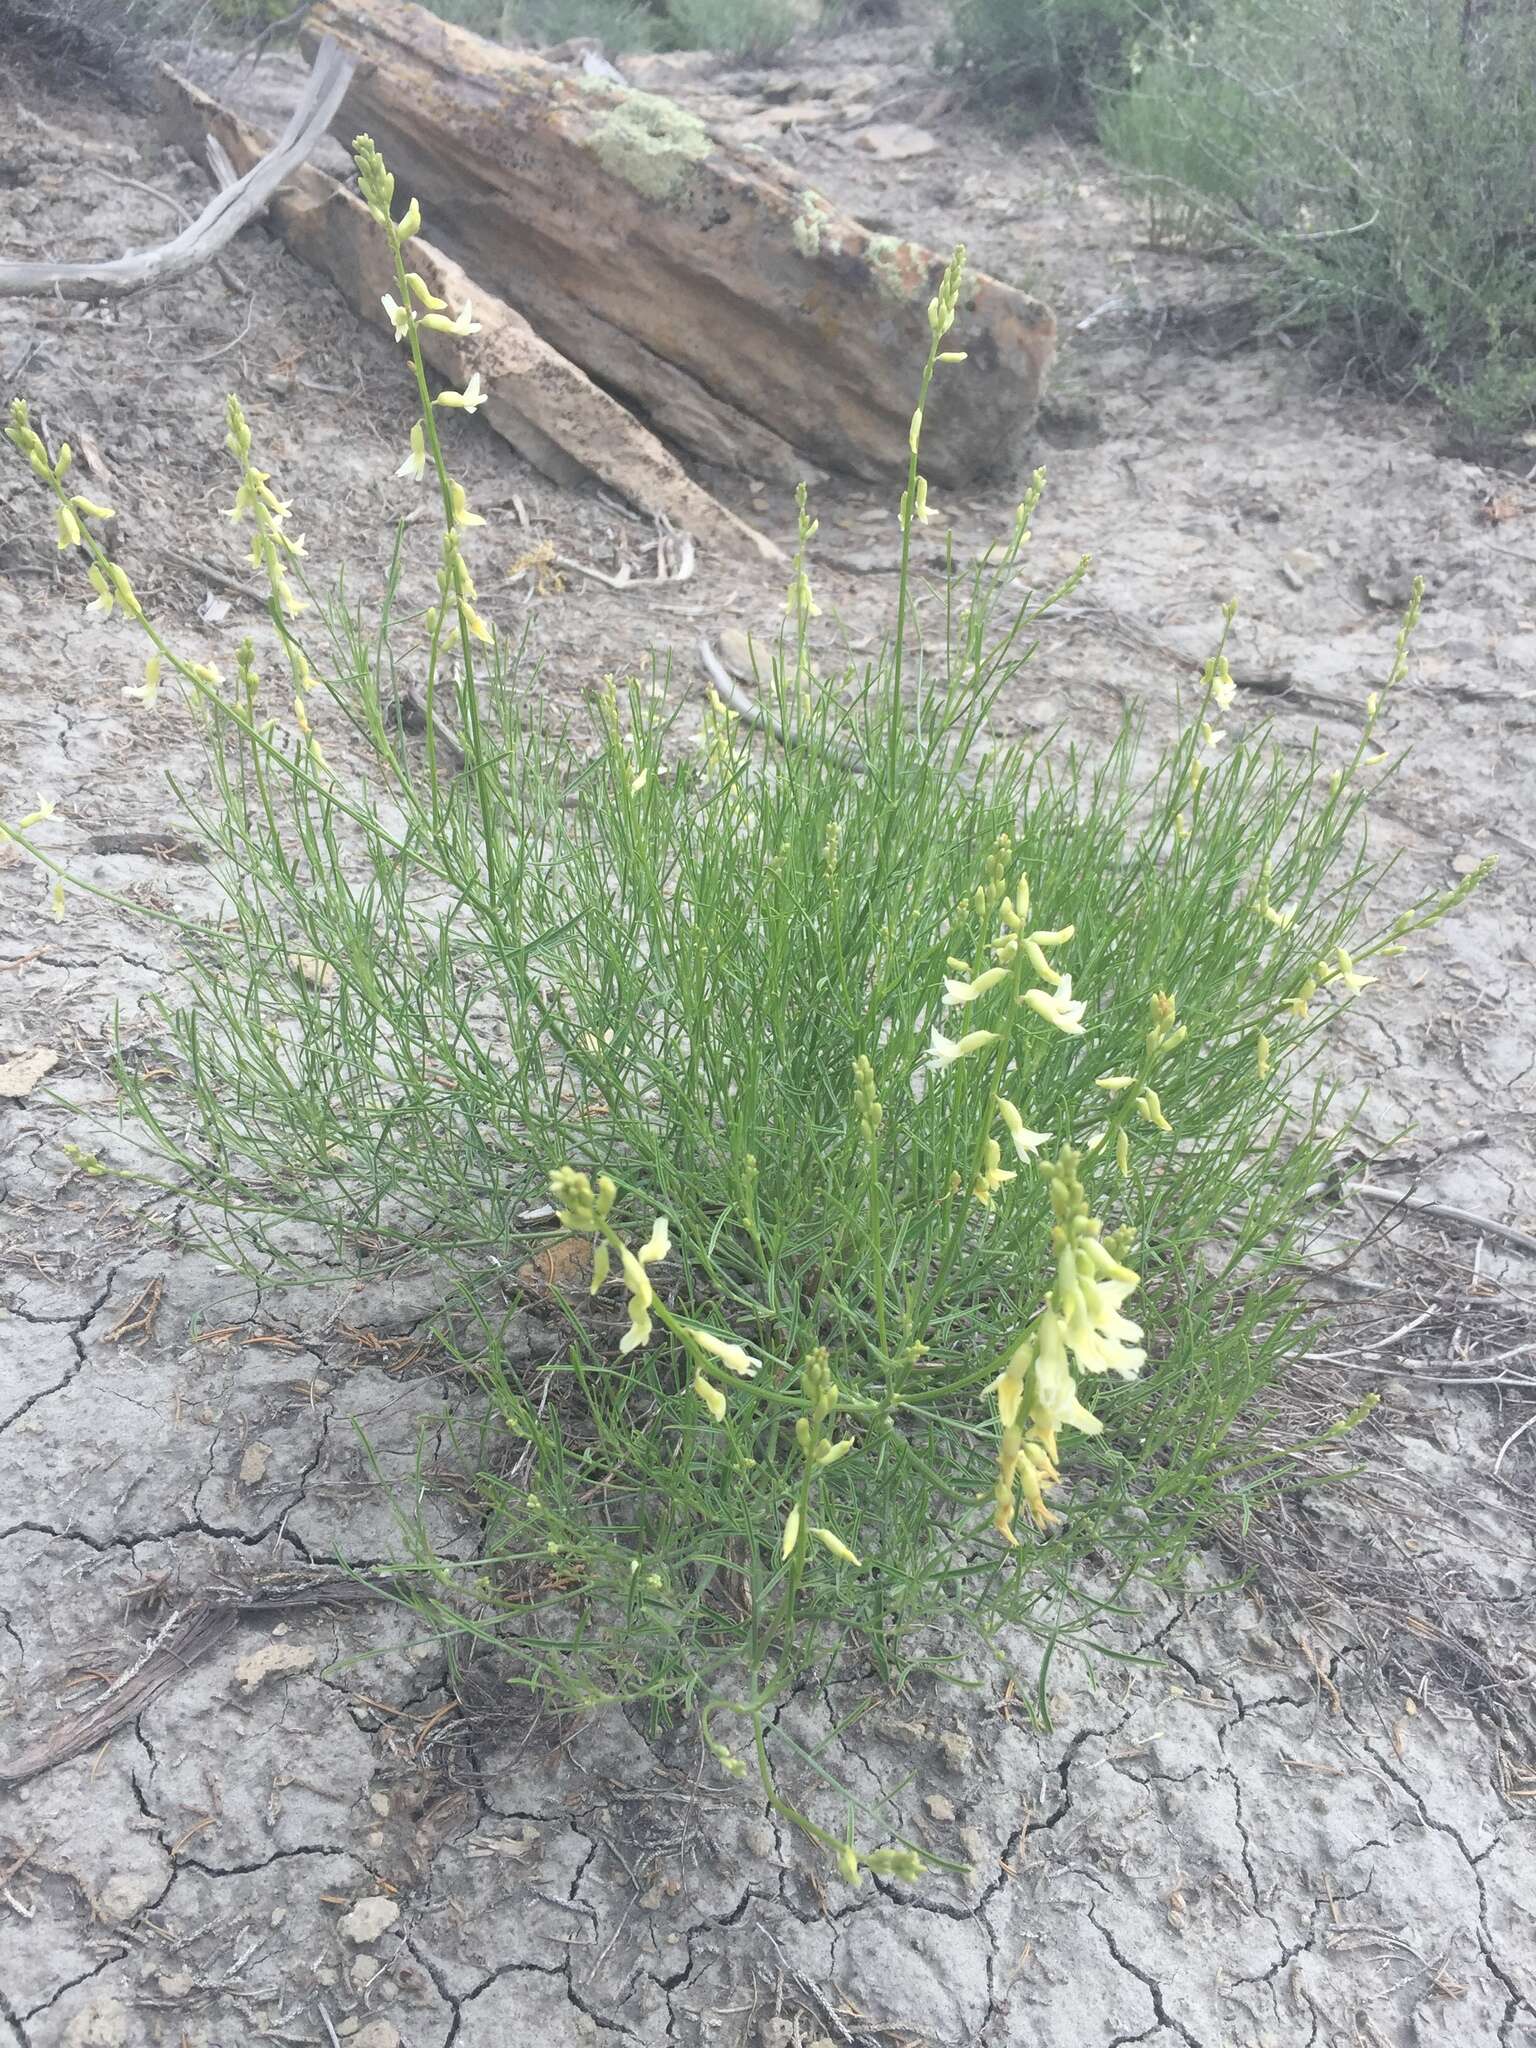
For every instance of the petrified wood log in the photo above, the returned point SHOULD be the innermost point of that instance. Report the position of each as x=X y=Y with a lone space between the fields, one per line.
x=547 y=408
x=738 y=312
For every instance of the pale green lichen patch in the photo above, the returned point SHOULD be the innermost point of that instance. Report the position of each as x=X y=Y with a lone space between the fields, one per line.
x=650 y=143
x=899 y=267
x=806 y=226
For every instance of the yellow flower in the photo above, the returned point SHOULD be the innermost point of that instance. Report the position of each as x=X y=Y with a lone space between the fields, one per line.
x=1057 y=1007
x=732 y=1356
x=657 y=1245
x=415 y=463
x=943 y=1052
x=1223 y=689
x=957 y=992
x=146 y=692
x=710 y=1395
x=69 y=528
x=1149 y=1107
x=1113 y=1083
x=1053 y=1402
x=641 y=1296
x=1210 y=737
x=1346 y=973
x=57 y=900
x=1261 y=1056
x=1025 y=1141
x=91 y=509
x=831 y=1454
x=791 y=1533
x=470 y=399
x=1123 y=1154
x=458 y=506
x=399 y=318
x=835 y=1544
x=463 y=322
x=993 y=1174
x=45 y=809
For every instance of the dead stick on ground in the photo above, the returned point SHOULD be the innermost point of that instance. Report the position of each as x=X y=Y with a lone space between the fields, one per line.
x=1391 y=1199
x=220 y=220
x=737 y=700
x=186 y=1638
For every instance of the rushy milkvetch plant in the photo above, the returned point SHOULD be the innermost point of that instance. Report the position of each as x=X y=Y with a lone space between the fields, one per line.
x=855 y=1072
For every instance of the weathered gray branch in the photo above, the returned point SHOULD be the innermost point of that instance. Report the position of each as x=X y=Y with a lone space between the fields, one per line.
x=220 y=220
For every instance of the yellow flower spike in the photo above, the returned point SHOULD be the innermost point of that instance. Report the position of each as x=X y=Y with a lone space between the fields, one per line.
x=1057 y=1007
x=1261 y=1058
x=993 y=1174
x=45 y=809
x=732 y=1356
x=1149 y=1107
x=415 y=463
x=839 y=1549
x=1025 y=1141
x=791 y=1533
x=575 y=1203
x=710 y=1395
x=958 y=992
x=943 y=1052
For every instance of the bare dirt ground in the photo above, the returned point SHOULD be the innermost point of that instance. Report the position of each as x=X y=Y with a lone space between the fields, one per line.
x=1301 y=1812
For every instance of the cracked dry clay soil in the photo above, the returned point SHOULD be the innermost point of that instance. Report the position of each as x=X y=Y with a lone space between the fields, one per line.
x=1297 y=1812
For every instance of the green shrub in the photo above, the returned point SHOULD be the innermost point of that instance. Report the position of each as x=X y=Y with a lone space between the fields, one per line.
x=1379 y=156
x=1034 y=59
x=753 y=30
x=856 y=1076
